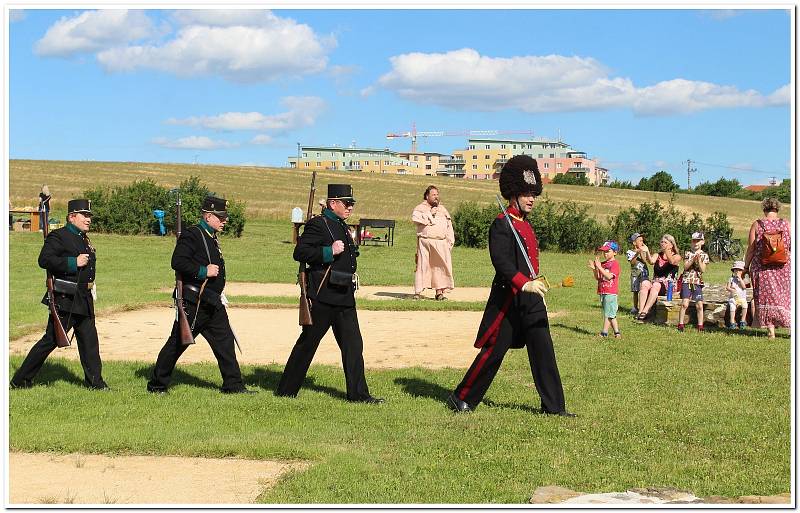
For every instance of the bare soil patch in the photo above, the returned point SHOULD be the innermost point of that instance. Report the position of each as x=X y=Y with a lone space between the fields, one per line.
x=44 y=478
x=391 y=339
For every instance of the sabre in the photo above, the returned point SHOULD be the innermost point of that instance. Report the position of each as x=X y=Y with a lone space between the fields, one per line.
x=516 y=237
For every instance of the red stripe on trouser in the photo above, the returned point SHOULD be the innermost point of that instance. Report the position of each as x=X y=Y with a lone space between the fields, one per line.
x=474 y=374
x=491 y=332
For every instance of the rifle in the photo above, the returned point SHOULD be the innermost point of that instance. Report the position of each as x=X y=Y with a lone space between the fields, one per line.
x=186 y=336
x=58 y=327
x=305 y=303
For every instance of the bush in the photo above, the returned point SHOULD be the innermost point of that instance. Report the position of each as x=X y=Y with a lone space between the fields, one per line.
x=128 y=210
x=471 y=224
x=566 y=227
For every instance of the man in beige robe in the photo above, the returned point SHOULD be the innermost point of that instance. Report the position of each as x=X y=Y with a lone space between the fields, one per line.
x=435 y=239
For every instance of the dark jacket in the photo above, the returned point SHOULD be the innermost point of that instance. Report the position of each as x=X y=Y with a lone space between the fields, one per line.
x=190 y=260
x=509 y=312
x=314 y=248
x=59 y=256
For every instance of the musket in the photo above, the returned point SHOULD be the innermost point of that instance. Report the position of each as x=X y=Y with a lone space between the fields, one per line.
x=186 y=337
x=60 y=333
x=305 y=303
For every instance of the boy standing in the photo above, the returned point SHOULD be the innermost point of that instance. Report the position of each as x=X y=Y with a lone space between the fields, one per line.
x=694 y=265
x=607 y=275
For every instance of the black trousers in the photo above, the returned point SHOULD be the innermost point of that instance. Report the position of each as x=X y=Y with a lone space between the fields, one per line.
x=85 y=333
x=542 y=360
x=212 y=322
x=344 y=321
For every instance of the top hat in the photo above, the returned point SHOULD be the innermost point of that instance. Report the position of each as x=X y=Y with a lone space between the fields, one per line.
x=217 y=206
x=520 y=175
x=340 y=191
x=84 y=206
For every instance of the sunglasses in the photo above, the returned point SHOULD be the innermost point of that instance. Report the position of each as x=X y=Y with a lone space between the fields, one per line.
x=221 y=217
x=348 y=203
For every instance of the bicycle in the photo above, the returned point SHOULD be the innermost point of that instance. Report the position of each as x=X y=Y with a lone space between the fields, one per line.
x=724 y=248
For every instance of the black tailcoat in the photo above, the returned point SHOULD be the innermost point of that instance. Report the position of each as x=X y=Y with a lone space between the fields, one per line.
x=61 y=247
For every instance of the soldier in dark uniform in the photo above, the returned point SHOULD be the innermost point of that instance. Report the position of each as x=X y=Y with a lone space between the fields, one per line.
x=70 y=258
x=328 y=249
x=198 y=259
x=515 y=315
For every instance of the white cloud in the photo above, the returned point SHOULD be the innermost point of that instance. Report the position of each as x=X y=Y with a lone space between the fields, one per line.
x=193 y=143
x=240 y=46
x=261 y=139
x=16 y=15
x=464 y=79
x=91 y=31
x=723 y=14
x=302 y=112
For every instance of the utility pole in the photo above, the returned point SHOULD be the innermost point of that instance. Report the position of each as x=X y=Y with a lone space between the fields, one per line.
x=773 y=181
x=689 y=171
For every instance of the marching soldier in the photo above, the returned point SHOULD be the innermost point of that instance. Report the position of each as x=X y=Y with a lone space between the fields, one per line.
x=70 y=258
x=515 y=315
x=198 y=259
x=328 y=249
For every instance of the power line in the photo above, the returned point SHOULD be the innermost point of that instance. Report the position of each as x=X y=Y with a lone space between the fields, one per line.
x=772 y=173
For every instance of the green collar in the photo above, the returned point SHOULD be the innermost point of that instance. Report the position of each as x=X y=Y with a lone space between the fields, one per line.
x=330 y=214
x=74 y=229
x=211 y=232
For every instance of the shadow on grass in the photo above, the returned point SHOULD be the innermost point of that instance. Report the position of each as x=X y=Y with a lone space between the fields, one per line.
x=52 y=372
x=511 y=406
x=178 y=376
x=416 y=387
x=268 y=379
x=397 y=295
x=576 y=329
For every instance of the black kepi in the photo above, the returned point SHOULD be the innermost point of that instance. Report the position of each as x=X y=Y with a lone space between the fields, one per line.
x=84 y=206
x=217 y=206
x=341 y=191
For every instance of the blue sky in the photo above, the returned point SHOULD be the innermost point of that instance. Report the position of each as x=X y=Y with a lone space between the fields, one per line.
x=640 y=90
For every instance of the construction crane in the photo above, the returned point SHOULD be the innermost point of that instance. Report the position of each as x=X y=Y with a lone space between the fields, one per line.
x=413 y=134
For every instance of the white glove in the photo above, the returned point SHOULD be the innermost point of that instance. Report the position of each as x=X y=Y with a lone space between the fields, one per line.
x=223 y=300
x=535 y=287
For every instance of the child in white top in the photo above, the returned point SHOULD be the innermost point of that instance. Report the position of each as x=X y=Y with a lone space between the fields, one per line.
x=737 y=295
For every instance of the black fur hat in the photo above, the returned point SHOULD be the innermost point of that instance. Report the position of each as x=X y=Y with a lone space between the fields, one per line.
x=519 y=176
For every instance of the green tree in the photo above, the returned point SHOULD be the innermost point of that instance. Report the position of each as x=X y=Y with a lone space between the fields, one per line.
x=659 y=182
x=570 y=179
x=722 y=187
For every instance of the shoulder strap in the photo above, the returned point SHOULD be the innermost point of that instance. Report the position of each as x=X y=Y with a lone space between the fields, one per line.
x=205 y=244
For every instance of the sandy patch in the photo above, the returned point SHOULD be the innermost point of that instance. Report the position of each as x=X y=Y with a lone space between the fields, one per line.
x=391 y=339
x=44 y=478
x=364 y=292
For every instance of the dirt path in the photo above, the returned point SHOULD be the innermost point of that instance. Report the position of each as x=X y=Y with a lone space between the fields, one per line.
x=365 y=291
x=391 y=339
x=42 y=478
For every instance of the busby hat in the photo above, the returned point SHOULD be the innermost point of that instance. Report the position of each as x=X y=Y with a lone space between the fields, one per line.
x=520 y=175
x=84 y=206
x=216 y=206
x=340 y=191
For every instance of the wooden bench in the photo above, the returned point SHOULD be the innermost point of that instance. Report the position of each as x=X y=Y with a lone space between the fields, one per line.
x=715 y=308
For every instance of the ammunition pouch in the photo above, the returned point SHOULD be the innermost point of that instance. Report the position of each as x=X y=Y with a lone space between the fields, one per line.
x=340 y=279
x=66 y=287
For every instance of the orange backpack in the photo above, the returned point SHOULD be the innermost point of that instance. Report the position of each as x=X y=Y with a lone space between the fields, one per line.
x=773 y=251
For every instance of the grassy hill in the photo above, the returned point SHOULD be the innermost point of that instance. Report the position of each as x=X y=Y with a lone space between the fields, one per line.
x=273 y=192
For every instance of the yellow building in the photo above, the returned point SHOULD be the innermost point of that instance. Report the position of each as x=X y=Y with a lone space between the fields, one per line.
x=366 y=160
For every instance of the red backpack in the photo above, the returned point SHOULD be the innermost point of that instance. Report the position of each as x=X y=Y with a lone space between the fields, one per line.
x=773 y=251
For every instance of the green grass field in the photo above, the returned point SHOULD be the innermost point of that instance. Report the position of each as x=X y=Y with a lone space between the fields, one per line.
x=709 y=413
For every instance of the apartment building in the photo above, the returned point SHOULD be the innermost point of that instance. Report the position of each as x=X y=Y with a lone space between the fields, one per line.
x=367 y=160
x=483 y=159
